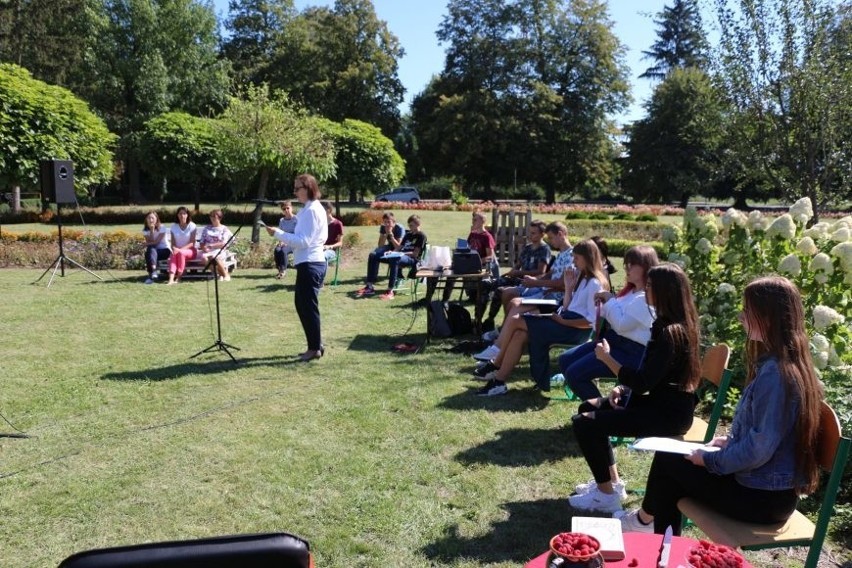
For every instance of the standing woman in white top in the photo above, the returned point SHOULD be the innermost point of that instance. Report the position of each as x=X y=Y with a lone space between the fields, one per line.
x=156 y=244
x=628 y=327
x=183 y=245
x=307 y=243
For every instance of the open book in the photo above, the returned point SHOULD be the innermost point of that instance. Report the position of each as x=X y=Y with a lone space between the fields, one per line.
x=606 y=530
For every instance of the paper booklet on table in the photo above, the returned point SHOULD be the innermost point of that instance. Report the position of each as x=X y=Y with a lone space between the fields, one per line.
x=670 y=445
x=606 y=530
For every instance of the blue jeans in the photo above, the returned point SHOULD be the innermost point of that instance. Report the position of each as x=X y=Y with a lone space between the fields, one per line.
x=281 y=254
x=373 y=263
x=396 y=264
x=580 y=366
x=153 y=255
x=309 y=279
x=542 y=333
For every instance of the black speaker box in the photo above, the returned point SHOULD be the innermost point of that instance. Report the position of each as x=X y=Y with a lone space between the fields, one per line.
x=57 y=181
x=466 y=262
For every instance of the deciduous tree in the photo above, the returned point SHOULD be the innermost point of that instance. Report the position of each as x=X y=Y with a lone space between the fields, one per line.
x=150 y=57
x=674 y=152
x=262 y=134
x=40 y=121
x=785 y=66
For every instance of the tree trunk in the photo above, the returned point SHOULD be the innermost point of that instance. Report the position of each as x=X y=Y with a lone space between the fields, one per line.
x=16 y=199
x=550 y=192
x=261 y=194
x=684 y=199
x=136 y=195
x=353 y=195
x=740 y=202
x=197 y=196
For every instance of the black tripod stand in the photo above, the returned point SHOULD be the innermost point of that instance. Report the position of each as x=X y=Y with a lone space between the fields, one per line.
x=219 y=345
x=59 y=263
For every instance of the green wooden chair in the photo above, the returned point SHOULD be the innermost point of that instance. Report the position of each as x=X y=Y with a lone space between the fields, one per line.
x=336 y=262
x=833 y=452
x=714 y=371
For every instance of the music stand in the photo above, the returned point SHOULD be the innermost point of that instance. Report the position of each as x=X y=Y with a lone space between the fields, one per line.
x=219 y=345
x=60 y=261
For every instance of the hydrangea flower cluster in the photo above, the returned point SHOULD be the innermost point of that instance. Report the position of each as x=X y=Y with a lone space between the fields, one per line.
x=818 y=259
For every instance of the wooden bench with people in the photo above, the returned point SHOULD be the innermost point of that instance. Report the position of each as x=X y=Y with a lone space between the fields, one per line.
x=184 y=251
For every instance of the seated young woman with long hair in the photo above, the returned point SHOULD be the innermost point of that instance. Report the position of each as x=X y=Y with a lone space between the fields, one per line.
x=572 y=323
x=655 y=398
x=769 y=457
x=627 y=320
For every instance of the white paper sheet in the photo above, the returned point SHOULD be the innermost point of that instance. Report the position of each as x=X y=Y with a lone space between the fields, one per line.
x=670 y=445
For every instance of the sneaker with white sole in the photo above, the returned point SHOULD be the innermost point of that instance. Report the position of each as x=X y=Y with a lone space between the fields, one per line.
x=596 y=501
x=557 y=380
x=482 y=371
x=630 y=522
x=493 y=388
x=491 y=335
x=487 y=354
x=619 y=487
x=149 y=281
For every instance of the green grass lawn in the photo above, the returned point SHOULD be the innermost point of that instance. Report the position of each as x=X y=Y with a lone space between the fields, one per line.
x=377 y=459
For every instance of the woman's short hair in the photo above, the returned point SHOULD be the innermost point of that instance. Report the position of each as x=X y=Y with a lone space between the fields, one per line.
x=327 y=206
x=311 y=186
x=184 y=210
x=218 y=213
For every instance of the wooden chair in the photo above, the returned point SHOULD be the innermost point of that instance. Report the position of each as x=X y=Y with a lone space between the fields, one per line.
x=833 y=452
x=713 y=370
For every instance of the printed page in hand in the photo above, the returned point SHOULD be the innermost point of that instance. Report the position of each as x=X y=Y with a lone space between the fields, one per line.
x=670 y=445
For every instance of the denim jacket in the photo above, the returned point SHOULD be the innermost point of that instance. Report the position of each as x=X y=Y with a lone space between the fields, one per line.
x=761 y=446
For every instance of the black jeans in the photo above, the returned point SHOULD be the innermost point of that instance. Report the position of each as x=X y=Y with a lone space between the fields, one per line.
x=643 y=416
x=309 y=278
x=672 y=477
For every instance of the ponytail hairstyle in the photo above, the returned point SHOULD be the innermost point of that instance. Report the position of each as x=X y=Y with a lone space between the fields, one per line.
x=773 y=306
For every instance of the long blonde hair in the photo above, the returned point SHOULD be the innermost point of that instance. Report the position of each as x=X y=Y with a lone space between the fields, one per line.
x=594 y=263
x=773 y=305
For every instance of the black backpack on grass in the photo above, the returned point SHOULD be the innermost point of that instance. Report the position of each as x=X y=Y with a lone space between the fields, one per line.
x=459 y=319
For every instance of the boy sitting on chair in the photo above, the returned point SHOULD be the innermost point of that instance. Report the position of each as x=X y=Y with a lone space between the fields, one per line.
x=407 y=253
x=335 y=233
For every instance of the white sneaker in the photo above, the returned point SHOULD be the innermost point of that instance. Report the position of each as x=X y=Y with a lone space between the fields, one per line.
x=557 y=380
x=488 y=353
x=149 y=281
x=619 y=487
x=630 y=522
x=491 y=335
x=493 y=388
x=596 y=501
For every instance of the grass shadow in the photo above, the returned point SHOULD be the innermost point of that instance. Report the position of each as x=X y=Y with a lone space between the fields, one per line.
x=275 y=287
x=519 y=447
x=219 y=366
x=517 y=400
x=517 y=539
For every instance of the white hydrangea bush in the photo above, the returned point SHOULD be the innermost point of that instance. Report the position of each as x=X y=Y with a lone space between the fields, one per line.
x=721 y=255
